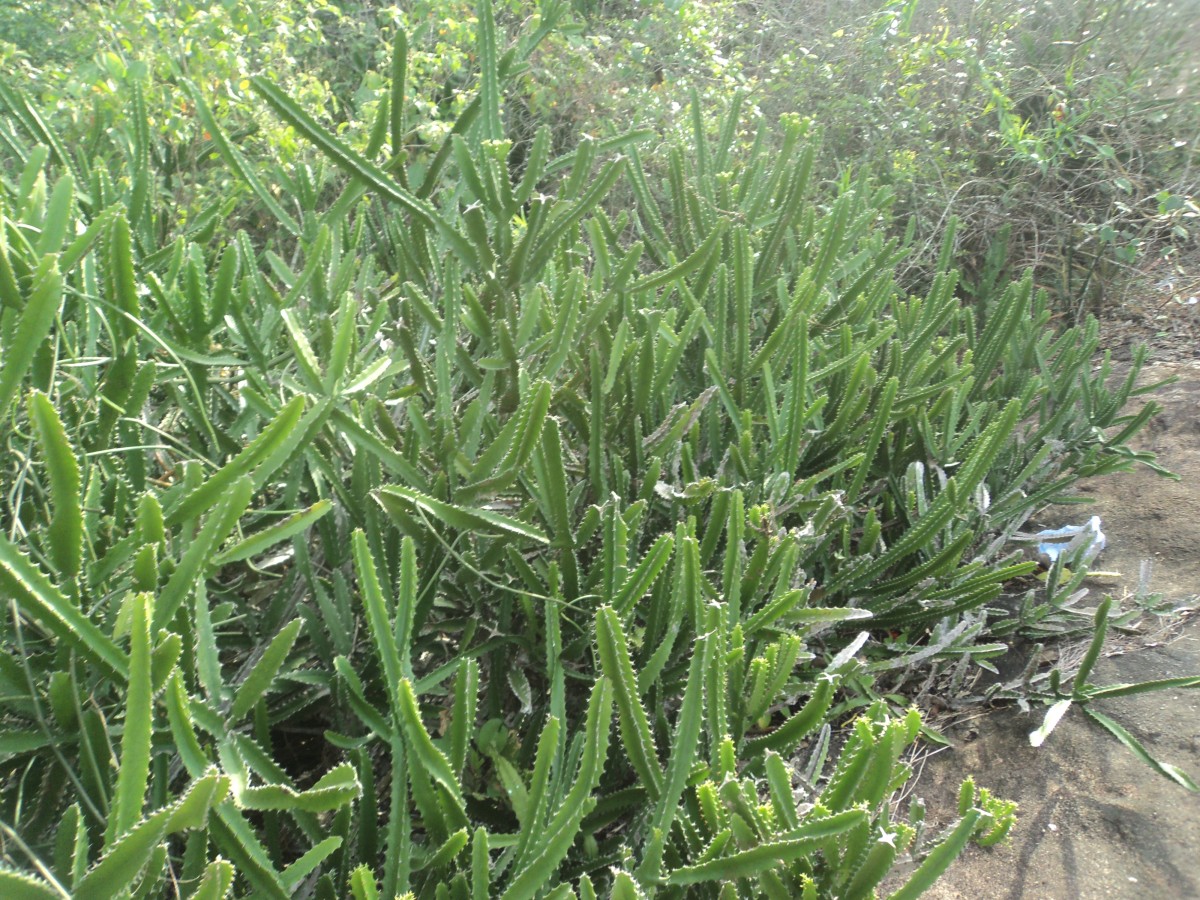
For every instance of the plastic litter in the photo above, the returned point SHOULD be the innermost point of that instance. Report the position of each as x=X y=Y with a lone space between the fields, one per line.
x=1053 y=542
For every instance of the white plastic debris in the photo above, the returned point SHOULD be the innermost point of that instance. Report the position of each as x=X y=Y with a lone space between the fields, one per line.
x=1053 y=542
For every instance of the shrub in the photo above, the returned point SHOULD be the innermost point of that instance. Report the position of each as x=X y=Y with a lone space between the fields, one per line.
x=336 y=572
x=1061 y=121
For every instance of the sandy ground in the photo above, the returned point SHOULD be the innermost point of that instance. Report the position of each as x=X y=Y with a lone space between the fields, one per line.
x=1094 y=820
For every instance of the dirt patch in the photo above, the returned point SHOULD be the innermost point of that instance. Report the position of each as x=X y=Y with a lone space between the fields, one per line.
x=1094 y=820
x=1160 y=308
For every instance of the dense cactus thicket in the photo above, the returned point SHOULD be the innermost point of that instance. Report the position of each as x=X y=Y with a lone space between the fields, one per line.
x=458 y=529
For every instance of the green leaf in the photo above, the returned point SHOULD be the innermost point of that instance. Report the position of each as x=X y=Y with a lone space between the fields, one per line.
x=363 y=885
x=120 y=867
x=208 y=655
x=421 y=744
x=785 y=606
x=57 y=220
x=622 y=141
x=133 y=775
x=31 y=120
x=635 y=726
x=334 y=789
x=280 y=433
x=535 y=164
x=13 y=741
x=873 y=868
x=124 y=278
x=216 y=881
x=198 y=557
x=882 y=413
x=810 y=717
x=32 y=329
x=684 y=745
x=343 y=342
x=379 y=620
x=65 y=534
x=268 y=537
x=939 y=858
x=166 y=656
x=538 y=796
x=446 y=853
x=237 y=162
x=1142 y=687
x=1134 y=745
x=794 y=844
x=202 y=796
x=262 y=676
x=625 y=888
x=238 y=841
x=644 y=575
x=560 y=227
x=563 y=829
x=306 y=358
x=480 y=866
x=489 y=72
x=778 y=775
x=41 y=601
x=1099 y=633
x=395 y=499
x=964 y=482
x=294 y=875
x=19 y=886
x=399 y=77
x=380 y=369
x=462 y=717
x=529 y=427
x=370 y=716
x=183 y=731
x=358 y=167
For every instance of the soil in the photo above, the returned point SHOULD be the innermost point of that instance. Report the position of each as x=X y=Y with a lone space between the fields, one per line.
x=1094 y=821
